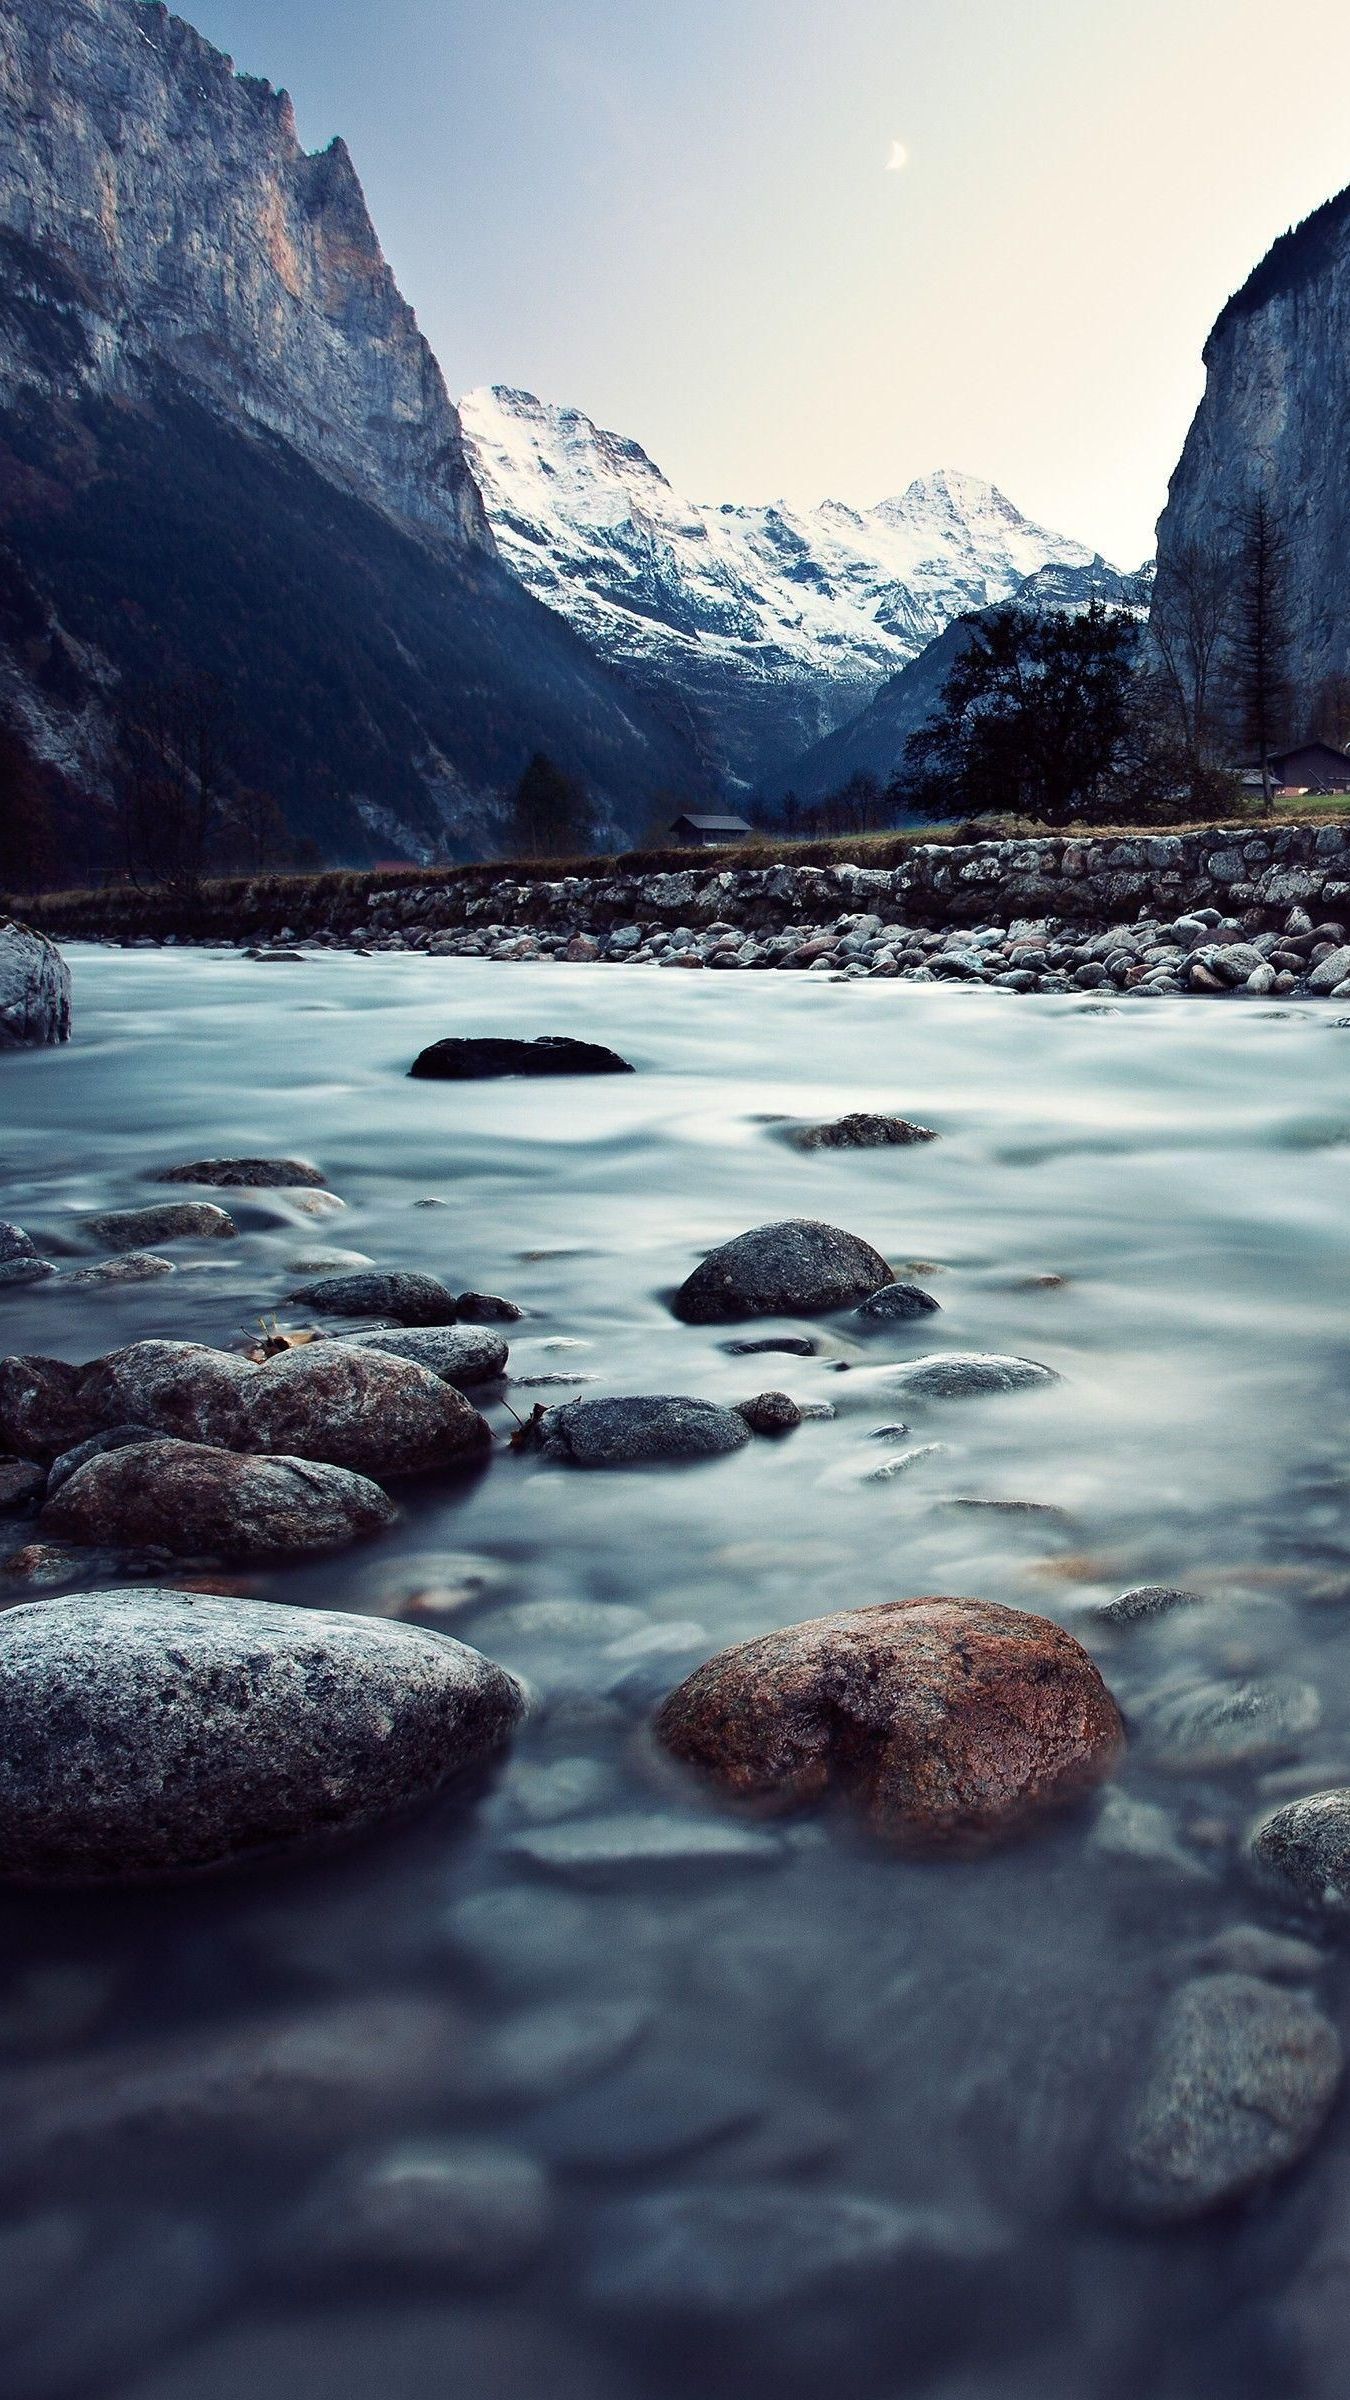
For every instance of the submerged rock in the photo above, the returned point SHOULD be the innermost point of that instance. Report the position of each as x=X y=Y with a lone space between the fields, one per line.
x=145 y=1732
x=440 y=2212
x=460 y=1354
x=959 y=1375
x=631 y=1843
x=466 y=1058
x=655 y=1431
x=1238 y=2083
x=243 y=1174
x=860 y=1132
x=135 y=1266
x=737 y=2252
x=798 y=1267
x=169 y=1221
x=950 y=1723
x=897 y=1301
x=187 y=1499
x=1302 y=1853
x=410 y=1299
x=1192 y=1728
x=487 y=1308
x=34 y=989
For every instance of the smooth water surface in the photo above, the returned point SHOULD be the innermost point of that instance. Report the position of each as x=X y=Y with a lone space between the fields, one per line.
x=1149 y=1199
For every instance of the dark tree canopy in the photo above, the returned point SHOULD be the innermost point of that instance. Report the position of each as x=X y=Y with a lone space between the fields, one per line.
x=1032 y=717
x=550 y=814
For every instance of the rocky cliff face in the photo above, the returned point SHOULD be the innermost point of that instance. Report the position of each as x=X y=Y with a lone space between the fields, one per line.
x=769 y=625
x=224 y=444
x=206 y=238
x=1273 y=417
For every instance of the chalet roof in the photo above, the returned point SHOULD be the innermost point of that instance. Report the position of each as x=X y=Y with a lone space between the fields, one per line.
x=716 y=824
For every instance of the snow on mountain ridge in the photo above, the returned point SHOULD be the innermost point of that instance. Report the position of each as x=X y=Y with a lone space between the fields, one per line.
x=769 y=624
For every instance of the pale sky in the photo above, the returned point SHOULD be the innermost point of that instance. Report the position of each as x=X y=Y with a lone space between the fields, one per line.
x=812 y=248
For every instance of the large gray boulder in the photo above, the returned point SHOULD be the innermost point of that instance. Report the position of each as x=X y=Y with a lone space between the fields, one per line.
x=799 y=1267
x=193 y=1501
x=344 y=1405
x=147 y=1732
x=34 y=989
x=639 y=1432
x=1239 y=2080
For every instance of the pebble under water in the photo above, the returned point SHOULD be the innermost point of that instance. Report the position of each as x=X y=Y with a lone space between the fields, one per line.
x=584 y=2083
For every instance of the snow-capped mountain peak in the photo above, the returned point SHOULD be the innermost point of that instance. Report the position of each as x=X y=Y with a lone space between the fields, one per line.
x=766 y=625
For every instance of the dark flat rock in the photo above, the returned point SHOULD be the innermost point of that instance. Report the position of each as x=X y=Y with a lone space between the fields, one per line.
x=473 y=1058
x=409 y=1298
x=860 y=1131
x=641 y=1431
x=243 y=1174
x=799 y=1267
x=167 y=1221
x=897 y=1301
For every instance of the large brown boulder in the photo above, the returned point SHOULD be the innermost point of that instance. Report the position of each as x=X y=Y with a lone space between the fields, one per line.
x=361 y=1409
x=950 y=1723
x=190 y=1500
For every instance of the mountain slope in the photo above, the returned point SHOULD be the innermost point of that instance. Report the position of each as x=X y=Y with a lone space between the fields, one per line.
x=772 y=625
x=224 y=444
x=873 y=742
x=1273 y=416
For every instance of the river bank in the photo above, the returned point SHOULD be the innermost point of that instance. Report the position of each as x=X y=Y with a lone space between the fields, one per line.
x=1266 y=911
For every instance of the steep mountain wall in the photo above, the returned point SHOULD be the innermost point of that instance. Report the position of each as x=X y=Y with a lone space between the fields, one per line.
x=224 y=445
x=1273 y=416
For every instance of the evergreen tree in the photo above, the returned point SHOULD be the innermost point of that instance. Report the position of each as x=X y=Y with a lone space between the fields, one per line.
x=550 y=815
x=1261 y=642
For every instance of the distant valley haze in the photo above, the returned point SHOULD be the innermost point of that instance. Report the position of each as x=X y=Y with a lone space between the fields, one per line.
x=802 y=252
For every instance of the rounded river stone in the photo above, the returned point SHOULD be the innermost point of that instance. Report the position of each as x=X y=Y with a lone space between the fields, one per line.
x=190 y=1500
x=472 y=1058
x=797 y=1268
x=1302 y=1852
x=244 y=1174
x=411 y=1299
x=951 y=1723
x=147 y=1732
x=644 y=1431
x=1236 y=2087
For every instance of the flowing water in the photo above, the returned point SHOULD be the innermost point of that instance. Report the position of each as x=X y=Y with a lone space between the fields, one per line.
x=1150 y=1200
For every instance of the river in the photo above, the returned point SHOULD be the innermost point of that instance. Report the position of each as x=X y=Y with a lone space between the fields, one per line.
x=1149 y=1199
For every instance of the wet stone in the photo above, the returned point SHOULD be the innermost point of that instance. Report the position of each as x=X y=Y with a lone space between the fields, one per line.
x=950 y=1723
x=437 y=2212
x=860 y=1131
x=473 y=1058
x=89 y=2294
x=360 y=1408
x=790 y=1345
x=960 y=1375
x=487 y=1308
x=1302 y=1853
x=544 y=2052
x=897 y=1301
x=43 y=1410
x=19 y=1259
x=146 y=1732
x=246 y=1174
x=1146 y=1601
x=799 y=1267
x=644 y=1431
x=134 y=1266
x=770 y=1413
x=192 y=1501
x=1239 y=2081
x=1254 y=1950
x=410 y=1299
x=146 y=1228
x=463 y=1355
x=653 y=2111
